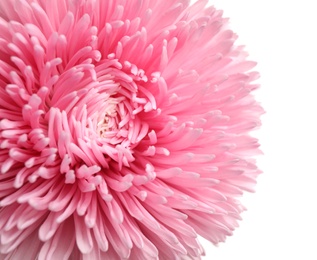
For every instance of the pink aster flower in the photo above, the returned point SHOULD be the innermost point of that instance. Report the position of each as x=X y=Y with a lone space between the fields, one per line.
x=124 y=129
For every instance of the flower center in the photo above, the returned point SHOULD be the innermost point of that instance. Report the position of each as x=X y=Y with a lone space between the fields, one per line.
x=108 y=125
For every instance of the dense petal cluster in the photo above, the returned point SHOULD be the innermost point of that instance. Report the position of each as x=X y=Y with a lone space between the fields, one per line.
x=124 y=129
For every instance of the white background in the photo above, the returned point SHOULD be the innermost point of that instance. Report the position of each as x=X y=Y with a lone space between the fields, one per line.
x=281 y=221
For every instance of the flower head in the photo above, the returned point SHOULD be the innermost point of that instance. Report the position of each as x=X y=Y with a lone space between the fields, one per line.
x=124 y=129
